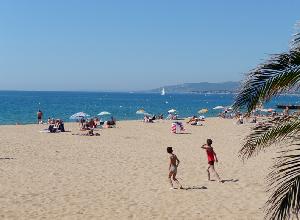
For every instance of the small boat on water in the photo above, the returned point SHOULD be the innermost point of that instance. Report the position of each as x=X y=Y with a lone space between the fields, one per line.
x=289 y=106
x=163 y=91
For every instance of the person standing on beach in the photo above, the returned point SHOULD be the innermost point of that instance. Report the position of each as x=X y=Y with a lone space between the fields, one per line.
x=212 y=158
x=174 y=162
x=39 y=116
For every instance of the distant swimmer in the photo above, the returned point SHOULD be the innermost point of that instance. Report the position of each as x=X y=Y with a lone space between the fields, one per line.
x=39 y=116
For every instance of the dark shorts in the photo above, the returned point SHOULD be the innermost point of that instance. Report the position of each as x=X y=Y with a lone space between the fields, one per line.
x=39 y=118
x=211 y=162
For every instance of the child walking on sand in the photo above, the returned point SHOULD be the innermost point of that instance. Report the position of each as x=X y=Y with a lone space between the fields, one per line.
x=211 y=157
x=174 y=162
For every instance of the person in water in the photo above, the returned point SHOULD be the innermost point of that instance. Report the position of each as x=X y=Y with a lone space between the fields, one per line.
x=212 y=158
x=174 y=162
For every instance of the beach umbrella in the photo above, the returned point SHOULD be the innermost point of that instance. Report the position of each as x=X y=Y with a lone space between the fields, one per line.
x=140 y=111
x=79 y=115
x=218 y=107
x=172 y=110
x=203 y=111
x=229 y=108
x=147 y=114
x=104 y=113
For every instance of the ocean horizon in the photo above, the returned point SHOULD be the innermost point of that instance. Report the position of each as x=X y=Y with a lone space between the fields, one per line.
x=21 y=106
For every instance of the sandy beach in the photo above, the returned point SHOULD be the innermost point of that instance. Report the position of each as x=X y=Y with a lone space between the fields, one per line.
x=122 y=174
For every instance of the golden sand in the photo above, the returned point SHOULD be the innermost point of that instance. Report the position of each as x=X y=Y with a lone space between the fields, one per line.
x=122 y=174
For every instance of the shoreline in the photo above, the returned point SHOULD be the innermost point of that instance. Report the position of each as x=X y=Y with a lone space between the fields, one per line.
x=70 y=122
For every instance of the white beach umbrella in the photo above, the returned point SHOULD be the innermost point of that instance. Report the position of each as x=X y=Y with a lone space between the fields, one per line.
x=172 y=110
x=140 y=111
x=79 y=115
x=104 y=113
x=147 y=114
x=229 y=108
x=218 y=107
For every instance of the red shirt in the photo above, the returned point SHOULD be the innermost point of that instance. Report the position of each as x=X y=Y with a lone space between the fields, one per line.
x=210 y=155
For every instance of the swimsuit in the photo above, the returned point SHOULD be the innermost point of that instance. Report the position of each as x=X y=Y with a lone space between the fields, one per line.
x=211 y=162
x=173 y=168
x=210 y=156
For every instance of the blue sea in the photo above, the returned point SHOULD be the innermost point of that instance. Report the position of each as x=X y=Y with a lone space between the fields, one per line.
x=21 y=107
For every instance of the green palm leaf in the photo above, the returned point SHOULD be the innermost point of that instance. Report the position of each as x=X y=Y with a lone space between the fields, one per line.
x=296 y=38
x=268 y=133
x=279 y=74
x=285 y=184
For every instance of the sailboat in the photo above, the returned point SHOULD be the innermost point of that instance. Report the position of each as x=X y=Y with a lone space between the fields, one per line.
x=163 y=91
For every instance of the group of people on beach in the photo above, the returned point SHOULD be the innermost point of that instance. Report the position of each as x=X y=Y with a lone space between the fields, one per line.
x=56 y=125
x=174 y=163
x=151 y=119
x=196 y=120
x=92 y=123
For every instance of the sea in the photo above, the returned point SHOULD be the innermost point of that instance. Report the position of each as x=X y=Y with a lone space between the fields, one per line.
x=20 y=107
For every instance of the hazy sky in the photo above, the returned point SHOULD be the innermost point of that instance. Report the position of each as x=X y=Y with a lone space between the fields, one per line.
x=134 y=45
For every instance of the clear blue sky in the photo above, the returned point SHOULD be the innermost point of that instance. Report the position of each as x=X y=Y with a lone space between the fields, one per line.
x=137 y=44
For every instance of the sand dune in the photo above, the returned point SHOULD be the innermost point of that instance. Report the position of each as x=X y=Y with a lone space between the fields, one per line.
x=123 y=173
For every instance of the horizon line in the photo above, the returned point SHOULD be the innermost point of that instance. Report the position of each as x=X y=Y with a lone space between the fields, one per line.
x=112 y=91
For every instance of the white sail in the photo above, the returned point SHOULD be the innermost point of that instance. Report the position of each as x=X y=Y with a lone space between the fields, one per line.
x=163 y=91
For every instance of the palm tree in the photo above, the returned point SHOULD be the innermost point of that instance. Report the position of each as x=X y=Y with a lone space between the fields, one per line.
x=279 y=74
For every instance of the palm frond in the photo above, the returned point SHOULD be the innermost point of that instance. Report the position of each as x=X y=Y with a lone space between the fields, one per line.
x=268 y=133
x=279 y=74
x=296 y=38
x=284 y=182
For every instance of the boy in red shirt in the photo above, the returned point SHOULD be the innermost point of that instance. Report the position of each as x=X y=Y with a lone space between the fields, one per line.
x=211 y=157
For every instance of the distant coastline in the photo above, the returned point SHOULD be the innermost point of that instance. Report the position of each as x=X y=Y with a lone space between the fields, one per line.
x=229 y=87
x=200 y=88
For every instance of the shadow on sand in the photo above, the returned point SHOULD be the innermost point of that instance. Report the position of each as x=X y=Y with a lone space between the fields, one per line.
x=195 y=188
x=230 y=180
x=225 y=181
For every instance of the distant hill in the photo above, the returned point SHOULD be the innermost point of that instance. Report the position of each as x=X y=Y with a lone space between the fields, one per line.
x=202 y=87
